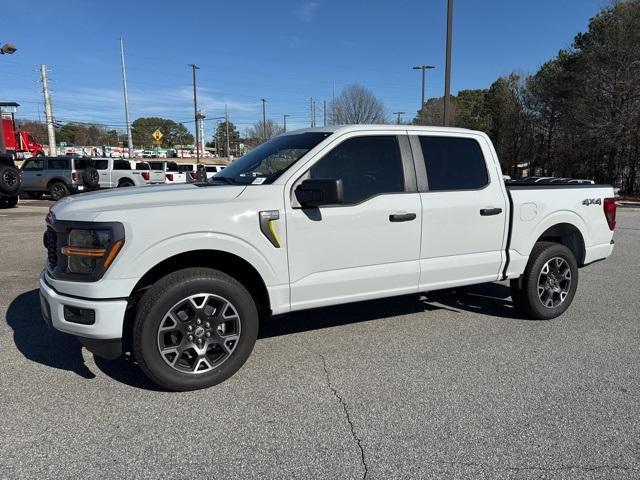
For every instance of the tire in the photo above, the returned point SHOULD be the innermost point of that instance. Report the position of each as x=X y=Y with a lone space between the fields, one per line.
x=58 y=190
x=197 y=299
x=90 y=177
x=8 y=202
x=549 y=282
x=40 y=154
x=125 y=183
x=9 y=179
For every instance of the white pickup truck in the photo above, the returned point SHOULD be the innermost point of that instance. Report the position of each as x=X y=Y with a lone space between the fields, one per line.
x=311 y=218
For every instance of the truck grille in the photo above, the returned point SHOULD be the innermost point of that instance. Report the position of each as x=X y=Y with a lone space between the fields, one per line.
x=51 y=242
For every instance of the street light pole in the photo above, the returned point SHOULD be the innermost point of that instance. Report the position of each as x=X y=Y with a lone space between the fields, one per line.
x=195 y=67
x=447 y=75
x=264 y=119
x=423 y=68
x=126 y=100
x=398 y=114
x=285 y=122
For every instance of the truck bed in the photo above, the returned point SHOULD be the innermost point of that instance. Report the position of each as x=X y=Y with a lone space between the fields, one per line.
x=578 y=206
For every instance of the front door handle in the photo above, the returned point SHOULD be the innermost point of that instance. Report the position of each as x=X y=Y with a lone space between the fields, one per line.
x=485 y=212
x=402 y=217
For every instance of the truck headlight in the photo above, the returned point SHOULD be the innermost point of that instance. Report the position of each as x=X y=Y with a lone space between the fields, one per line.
x=88 y=250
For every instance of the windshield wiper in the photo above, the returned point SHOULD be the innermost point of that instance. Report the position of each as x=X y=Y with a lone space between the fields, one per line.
x=224 y=180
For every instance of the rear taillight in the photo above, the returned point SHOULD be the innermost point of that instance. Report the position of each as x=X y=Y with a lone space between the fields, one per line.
x=145 y=175
x=193 y=175
x=609 y=207
x=170 y=177
x=74 y=176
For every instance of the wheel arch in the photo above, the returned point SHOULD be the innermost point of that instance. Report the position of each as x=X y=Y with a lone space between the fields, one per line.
x=60 y=180
x=127 y=180
x=566 y=234
x=229 y=263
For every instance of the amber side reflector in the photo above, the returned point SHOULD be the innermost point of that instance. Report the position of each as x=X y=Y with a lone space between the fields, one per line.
x=83 y=251
x=113 y=252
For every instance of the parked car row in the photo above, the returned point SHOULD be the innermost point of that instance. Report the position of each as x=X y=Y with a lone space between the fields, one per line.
x=61 y=176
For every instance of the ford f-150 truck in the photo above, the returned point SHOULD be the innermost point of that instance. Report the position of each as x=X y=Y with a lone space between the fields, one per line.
x=311 y=218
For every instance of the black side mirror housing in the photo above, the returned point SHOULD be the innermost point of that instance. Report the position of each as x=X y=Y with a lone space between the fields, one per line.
x=318 y=192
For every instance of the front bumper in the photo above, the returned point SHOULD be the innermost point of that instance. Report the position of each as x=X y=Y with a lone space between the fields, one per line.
x=109 y=314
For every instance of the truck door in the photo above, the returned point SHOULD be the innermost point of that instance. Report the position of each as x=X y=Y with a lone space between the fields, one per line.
x=464 y=211
x=367 y=247
x=32 y=171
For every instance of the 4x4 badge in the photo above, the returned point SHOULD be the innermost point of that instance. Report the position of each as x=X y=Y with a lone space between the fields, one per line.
x=592 y=201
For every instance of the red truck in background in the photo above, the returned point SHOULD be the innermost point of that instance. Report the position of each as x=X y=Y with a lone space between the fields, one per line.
x=17 y=142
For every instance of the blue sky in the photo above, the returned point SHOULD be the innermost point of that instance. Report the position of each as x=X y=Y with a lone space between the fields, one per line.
x=285 y=51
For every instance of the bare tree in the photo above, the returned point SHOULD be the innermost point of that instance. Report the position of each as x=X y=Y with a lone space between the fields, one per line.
x=260 y=132
x=358 y=105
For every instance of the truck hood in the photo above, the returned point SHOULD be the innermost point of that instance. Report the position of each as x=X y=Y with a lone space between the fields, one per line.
x=87 y=206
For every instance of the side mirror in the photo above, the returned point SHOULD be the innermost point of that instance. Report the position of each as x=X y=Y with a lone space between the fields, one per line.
x=318 y=192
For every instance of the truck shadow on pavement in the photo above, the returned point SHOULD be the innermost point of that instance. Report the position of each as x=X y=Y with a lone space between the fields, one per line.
x=42 y=344
x=492 y=299
x=49 y=347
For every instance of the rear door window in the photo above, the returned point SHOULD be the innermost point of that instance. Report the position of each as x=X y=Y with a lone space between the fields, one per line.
x=121 y=165
x=454 y=163
x=82 y=163
x=101 y=164
x=58 y=164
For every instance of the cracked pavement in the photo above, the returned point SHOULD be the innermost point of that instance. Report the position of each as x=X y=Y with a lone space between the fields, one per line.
x=450 y=384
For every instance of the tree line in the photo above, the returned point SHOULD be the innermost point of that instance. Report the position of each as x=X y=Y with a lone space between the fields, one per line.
x=577 y=116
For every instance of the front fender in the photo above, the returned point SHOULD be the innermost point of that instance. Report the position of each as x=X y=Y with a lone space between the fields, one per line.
x=205 y=240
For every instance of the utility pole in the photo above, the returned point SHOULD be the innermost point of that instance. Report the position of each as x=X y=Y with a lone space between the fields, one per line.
x=126 y=100
x=48 y=112
x=285 y=122
x=201 y=117
x=226 y=121
x=264 y=119
x=195 y=67
x=447 y=74
x=333 y=104
x=311 y=110
x=398 y=114
x=324 y=113
x=423 y=68
x=314 y=113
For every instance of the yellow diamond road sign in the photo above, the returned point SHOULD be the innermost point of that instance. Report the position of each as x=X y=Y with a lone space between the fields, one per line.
x=157 y=135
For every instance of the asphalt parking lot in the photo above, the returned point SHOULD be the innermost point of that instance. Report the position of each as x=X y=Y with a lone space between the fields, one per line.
x=451 y=384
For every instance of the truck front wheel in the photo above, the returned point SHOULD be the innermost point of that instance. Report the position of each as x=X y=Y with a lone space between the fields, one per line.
x=549 y=282
x=194 y=328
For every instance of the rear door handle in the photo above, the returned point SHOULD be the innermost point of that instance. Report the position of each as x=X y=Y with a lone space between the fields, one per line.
x=402 y=217
x=485 y=212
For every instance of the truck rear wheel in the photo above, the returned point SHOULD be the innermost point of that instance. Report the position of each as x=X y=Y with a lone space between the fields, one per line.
x=57 y=190
x=549 y=282
x=194 y=328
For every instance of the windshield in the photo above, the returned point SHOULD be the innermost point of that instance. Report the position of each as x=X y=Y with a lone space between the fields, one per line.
x=265 y=163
